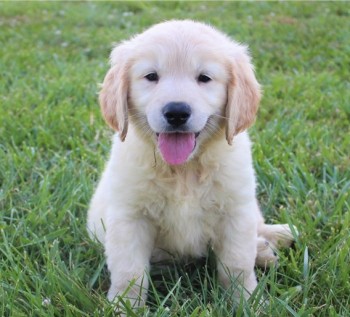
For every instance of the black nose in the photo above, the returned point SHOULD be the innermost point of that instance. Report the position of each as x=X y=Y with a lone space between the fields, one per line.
x=177 y=113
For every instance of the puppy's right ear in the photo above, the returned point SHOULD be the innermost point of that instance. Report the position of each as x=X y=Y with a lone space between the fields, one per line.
x=244 y=93
x=114 y=93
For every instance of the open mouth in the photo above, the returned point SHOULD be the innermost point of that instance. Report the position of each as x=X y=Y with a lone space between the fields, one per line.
x=176 y=147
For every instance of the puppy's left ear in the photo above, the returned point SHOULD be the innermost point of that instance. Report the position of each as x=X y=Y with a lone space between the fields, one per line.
x=243 y=93
x=114 y=93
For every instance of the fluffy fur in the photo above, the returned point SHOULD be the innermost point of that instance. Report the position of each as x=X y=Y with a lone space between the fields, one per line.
x=144 y=208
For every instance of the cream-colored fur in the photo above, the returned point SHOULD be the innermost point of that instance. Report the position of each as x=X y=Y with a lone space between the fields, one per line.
x=145 y=209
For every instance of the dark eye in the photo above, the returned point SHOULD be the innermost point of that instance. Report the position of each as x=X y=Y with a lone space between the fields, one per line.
x=203 y=78
x=152 y=77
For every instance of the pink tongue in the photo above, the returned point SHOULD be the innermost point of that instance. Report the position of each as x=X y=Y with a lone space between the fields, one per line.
x=176 y=147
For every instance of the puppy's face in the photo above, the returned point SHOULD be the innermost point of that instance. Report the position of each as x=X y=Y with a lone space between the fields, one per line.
x=180 y=83
x=178 y=90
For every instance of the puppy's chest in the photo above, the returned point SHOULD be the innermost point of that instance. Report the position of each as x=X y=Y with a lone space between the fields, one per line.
x=186 y=213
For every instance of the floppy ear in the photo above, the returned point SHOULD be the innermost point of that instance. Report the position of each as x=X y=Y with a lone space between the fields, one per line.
x=114 y=93
x=243 y=94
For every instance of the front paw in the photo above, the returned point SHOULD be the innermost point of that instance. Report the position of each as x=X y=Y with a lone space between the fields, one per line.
x=113 y=294
x=121 y=301
x=132 y=292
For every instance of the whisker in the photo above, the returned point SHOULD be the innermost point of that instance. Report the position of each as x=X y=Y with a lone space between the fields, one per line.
x=219 y=116
x=212 y=127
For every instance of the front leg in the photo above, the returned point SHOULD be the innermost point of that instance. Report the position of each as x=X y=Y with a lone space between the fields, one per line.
x=237 y=248
x=128 y=247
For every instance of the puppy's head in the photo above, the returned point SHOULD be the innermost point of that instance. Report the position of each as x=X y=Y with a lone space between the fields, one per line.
x=180 y=83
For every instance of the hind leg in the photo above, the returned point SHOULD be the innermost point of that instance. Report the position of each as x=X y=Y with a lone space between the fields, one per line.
x=270 y=238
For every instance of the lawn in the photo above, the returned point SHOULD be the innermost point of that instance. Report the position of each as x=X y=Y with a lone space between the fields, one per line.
x=53 y=145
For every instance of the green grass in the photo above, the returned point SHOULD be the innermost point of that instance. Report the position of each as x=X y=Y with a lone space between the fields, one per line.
x=53 y=145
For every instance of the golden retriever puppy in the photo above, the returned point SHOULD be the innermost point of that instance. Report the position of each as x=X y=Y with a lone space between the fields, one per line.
x=180 y=175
